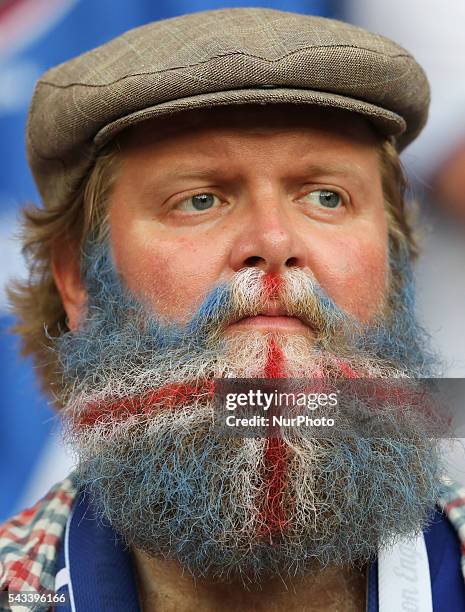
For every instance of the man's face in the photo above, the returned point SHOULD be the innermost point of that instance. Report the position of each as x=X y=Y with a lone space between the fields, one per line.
x=254 y=245
x=205 y=195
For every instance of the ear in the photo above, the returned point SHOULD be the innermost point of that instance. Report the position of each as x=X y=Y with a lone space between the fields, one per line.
x=67 y=274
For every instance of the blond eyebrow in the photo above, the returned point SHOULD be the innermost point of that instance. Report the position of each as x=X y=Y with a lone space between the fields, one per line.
x=350 y=171
x=181 y=173
x=186 y=173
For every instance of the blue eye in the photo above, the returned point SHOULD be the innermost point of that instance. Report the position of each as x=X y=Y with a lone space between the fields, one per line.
x=325 y=198
x=198 y=202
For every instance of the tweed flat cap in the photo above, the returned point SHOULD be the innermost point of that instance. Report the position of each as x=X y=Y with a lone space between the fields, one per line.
x=212 y=58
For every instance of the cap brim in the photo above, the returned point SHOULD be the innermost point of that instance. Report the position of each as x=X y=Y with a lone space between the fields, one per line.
x=385 y=121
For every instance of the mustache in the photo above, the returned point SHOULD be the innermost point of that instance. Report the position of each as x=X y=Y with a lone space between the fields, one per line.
x=251 y=292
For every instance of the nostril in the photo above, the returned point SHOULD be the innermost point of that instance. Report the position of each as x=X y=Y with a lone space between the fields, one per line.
x=253 y=261
x=292 y=262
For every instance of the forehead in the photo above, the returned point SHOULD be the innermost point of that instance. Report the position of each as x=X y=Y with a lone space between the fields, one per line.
x=330 y=127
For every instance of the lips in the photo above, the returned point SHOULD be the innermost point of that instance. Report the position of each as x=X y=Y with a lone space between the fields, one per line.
x=273 y=315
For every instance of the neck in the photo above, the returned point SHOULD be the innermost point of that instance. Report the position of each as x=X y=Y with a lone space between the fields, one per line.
x=164 y=587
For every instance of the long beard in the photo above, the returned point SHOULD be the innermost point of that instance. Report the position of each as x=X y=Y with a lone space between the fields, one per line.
x=140 y=416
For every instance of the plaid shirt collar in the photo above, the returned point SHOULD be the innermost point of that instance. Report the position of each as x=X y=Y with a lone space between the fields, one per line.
x=29 y=541
x=452 y=503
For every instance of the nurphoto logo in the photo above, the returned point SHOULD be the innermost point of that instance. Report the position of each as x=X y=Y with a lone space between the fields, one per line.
x=261 y=407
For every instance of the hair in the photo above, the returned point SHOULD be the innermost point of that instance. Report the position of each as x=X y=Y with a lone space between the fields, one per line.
x=36 y=302
x=400 y=210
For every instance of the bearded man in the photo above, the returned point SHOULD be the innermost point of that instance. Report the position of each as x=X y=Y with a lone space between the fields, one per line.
x=223 y=199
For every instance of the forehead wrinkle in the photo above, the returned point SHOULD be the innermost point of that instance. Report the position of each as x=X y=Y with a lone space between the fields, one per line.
x=341 y=169
x=221 y=157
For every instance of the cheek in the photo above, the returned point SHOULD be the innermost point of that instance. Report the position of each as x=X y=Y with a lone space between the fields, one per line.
x=171 y=276
x=355 y=273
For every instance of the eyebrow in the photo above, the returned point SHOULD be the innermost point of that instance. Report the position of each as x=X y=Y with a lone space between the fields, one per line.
x=203 y=173
x=344 y=170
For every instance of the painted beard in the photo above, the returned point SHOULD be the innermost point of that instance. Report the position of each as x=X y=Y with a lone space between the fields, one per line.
x=138 y=412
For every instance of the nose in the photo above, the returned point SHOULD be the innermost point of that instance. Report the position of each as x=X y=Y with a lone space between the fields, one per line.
x=268 y=237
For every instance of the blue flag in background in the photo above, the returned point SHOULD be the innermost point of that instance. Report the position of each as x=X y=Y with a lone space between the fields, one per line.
x=35 y=35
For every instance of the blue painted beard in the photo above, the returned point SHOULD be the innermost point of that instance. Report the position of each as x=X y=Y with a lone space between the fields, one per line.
x=175 y=489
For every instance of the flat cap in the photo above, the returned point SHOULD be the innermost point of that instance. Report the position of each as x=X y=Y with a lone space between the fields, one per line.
x=212 y=58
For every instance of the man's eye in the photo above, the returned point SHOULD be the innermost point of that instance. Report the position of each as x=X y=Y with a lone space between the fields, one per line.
x=325 y=198
x=199 y=202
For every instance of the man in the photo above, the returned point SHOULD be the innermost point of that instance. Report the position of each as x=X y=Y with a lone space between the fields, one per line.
x=223 y=200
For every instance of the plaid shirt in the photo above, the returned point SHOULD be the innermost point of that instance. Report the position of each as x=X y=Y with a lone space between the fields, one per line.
x=29 y=541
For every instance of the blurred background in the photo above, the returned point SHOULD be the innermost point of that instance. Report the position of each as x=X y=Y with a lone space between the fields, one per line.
x=37 y=34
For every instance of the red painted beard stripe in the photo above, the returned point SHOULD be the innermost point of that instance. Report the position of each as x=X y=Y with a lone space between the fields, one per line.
x=170 y=396
x=274 y=366
x=272 y=284
x=272 y=516
x=347 y=371
x=176 y=395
